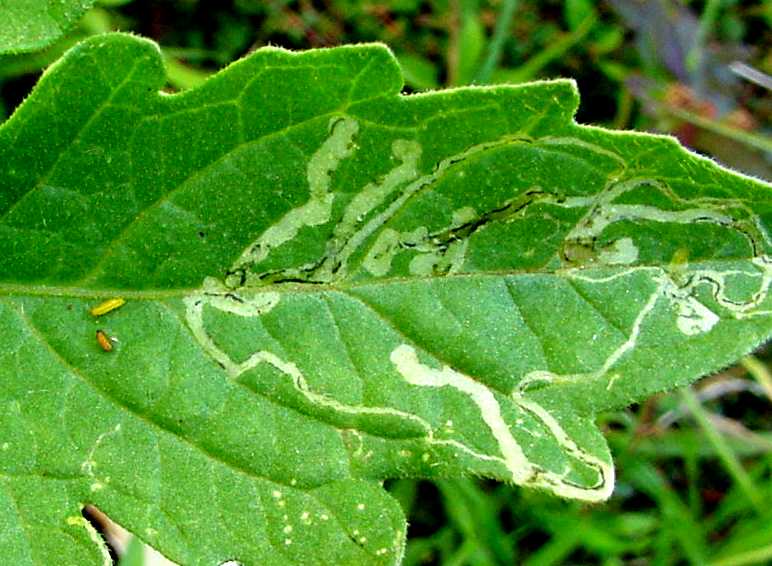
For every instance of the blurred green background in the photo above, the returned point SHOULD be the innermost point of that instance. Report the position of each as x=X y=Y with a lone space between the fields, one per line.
x=694 y=467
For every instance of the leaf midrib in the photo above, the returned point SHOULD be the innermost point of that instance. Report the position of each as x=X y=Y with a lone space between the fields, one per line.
x=63 y=291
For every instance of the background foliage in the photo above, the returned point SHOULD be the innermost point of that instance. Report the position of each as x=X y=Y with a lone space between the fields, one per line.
x=694 y=466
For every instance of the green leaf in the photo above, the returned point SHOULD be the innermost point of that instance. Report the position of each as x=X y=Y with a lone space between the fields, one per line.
x=29 y=25
x=418 y=72
x=329 y=284
x=471 y=43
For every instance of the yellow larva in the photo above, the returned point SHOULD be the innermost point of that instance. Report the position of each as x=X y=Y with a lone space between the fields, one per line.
x=104 y=341
x=107 y=306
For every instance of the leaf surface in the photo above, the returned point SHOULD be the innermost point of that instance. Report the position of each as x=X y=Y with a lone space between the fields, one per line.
x=330 y=284
x=29 y=25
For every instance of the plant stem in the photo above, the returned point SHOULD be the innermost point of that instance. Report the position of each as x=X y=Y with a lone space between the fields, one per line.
x=453 y=56
x=707 y=21
x=500 y=33
x=760 y=372
x=624 y=108
x=535 y=64
x=756 y=556
x=722 y=448
x=757 y=141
